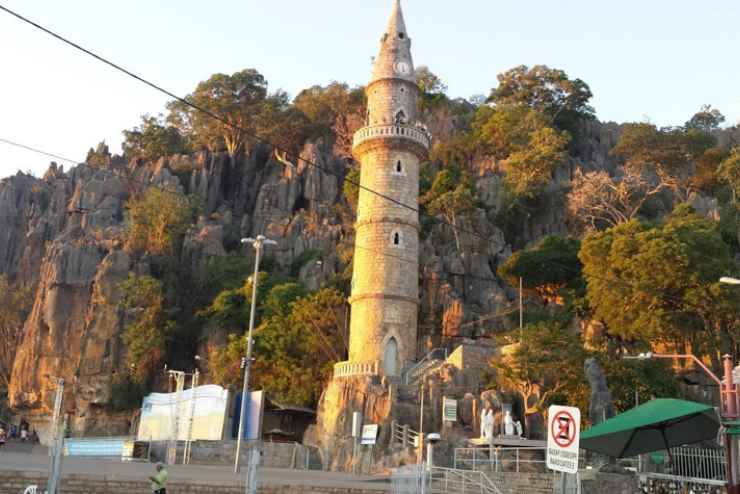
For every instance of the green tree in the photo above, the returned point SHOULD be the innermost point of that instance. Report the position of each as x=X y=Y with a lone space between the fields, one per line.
x=729 y=172
x=295 y=348
x=431 y=88
x=148 y=329
x=351 y=187
x=547 y=268
x=659 y=283
x=546 y=90
x=158 y=219
x=15 y=304
x=237 y=99
x=651 y=379
x=546 y=365
x=333 y=110
x=525 y=139
x=280 y=297
x=452 y=194
x=706 y=119
x=152 y=139
x=668 y=152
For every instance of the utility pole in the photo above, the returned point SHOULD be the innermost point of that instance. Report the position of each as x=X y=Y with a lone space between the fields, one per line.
x=188 y=442
x=521 y=309
x=179 y=377
x=57 y=441
x=258 y=245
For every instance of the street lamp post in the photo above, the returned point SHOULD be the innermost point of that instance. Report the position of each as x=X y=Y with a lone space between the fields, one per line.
x=258 y=245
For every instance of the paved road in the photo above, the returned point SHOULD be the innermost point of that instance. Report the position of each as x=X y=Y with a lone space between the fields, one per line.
x=27 y=461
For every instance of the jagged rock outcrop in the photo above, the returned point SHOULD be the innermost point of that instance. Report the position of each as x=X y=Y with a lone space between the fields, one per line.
x=63 y=234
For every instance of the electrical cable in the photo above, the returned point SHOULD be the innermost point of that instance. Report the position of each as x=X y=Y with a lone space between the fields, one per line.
x=29 y=148
x=246 y=132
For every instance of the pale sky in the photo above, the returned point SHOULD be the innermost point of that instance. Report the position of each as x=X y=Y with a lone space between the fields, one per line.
x=648 y=59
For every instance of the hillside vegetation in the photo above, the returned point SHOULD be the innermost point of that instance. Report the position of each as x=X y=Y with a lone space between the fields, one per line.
x=619 y=234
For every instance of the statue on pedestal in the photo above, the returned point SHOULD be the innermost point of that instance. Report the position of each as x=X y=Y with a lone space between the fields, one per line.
x=508 y=424
x=486 y=425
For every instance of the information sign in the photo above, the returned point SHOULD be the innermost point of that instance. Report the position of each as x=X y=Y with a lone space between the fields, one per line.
x=369 y=434
x=449 y=410
x=563 y=434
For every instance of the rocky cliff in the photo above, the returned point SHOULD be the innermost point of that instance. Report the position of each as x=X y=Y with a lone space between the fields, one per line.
x=62 y=234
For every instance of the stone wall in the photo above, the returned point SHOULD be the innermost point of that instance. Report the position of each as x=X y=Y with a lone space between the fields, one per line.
x=13 y=482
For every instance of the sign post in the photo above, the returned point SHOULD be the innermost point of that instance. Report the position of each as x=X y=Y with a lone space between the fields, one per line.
x=563 y=435
x=449 y=410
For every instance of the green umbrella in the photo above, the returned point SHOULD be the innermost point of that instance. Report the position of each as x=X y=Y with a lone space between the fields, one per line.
x=657 y=425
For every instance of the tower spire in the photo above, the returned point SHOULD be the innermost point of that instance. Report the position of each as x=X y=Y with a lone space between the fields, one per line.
x=396 y=23
x=394 y=59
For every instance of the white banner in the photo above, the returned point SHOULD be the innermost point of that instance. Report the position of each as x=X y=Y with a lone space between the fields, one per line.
x=208 y=414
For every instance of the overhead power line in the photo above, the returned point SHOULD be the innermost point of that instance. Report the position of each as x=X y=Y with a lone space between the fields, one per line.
x=254 y=136
x=39 y=151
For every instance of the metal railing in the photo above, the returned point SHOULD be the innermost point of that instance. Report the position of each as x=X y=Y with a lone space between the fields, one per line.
x=348 y=369
x=699 y=463
x=463 y=481
x=413 y=372
x=659 y=482
x=404 y=435
x=420 y=136
x=417 y=479
x=499 y=459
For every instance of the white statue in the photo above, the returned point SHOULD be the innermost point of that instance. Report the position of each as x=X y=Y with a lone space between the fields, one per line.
x=518 y=427
x=508 y=424
x=486 y=425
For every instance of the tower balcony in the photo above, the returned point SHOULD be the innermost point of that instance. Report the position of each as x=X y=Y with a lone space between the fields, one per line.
x=416 y=137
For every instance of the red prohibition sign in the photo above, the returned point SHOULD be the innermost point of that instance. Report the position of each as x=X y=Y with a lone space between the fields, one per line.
x=563 y=429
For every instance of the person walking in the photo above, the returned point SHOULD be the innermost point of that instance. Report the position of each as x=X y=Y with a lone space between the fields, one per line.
x=159 y=480
x=2 y=437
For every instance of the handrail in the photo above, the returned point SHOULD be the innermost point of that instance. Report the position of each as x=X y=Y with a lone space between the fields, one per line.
x=420 y=136
x=421 y=363
x=452 y=477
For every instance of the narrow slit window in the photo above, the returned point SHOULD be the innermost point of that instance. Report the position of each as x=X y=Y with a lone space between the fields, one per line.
x=399 y=167
x=396 y=239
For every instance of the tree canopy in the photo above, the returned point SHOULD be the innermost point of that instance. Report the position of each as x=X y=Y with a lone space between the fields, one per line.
x=237 y=99
x=546 y=364
x=148 y=329
x=546 y=268
x=158 y=219
x=528 y=143
x=546 y=90
x=296 y=345
x=659 y=283
x=152 y=139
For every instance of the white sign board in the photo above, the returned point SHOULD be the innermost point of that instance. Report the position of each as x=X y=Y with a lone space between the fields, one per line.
x=449 y=410
x=369 y=434
x=159 y=410
x=736 y=375
x=563 y=437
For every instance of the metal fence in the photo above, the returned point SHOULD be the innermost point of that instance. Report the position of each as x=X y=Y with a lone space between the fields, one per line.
x=416 y=479
x=699 y=463
x=531 y=459
x=670 y=484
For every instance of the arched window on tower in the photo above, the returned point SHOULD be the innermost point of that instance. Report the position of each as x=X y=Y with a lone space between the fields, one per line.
x=398 y=168
x=390 y=357
x=400 y=118
x=396 y=239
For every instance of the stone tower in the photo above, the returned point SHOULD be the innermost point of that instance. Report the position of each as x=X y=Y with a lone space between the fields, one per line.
x=385 y=285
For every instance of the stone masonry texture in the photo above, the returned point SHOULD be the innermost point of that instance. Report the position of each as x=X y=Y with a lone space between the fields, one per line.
x=385 y=284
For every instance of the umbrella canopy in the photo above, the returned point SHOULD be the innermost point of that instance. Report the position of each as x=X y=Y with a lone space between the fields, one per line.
x=657 y=425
